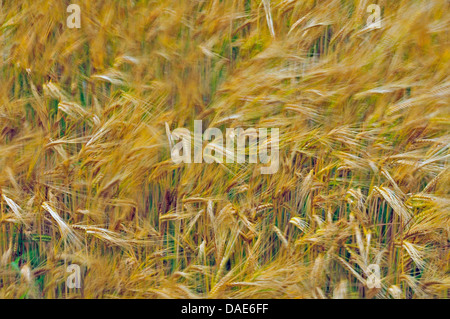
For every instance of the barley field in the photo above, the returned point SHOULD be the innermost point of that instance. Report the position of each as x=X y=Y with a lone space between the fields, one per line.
x=87 y=181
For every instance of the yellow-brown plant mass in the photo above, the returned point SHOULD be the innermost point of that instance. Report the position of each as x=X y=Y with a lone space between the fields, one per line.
x=86 y=175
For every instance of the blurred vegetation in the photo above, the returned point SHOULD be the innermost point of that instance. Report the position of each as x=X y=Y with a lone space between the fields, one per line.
x=85 y=170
